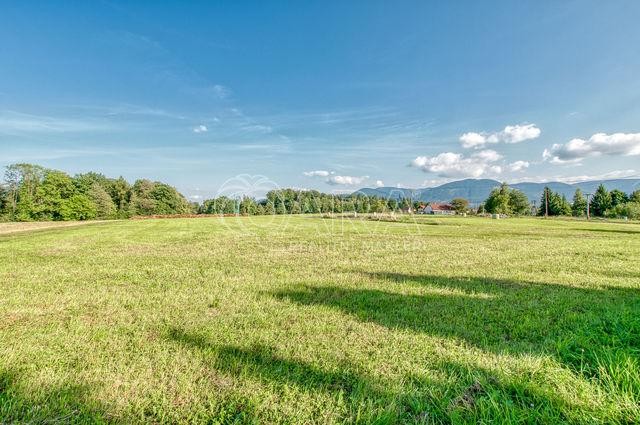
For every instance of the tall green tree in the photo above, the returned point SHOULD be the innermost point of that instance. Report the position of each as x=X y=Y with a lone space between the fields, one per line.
x=120 y=192
x=86 y=181
x=21 y=183
x=618 y=197
x=553 y=203
x=56 y=188
x=77 y=207
x=519 y=203
x=498 y=200
x=461 y=205
x=505 y=200
x=248 y=206
x=269 y=208
x=545 y=199
x=564 y=206
x=600 y=202
x=579 y=204
x=105 y=208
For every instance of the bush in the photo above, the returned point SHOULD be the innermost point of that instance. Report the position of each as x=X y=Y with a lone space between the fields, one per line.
x=629 y=210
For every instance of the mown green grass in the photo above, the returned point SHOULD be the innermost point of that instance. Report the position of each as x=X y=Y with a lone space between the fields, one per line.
x=310 y=320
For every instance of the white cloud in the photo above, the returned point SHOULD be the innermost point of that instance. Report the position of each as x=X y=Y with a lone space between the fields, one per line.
x=472 y=140
x=335 y=180
x=599 y=144
x=317 y=173
x=510 y=134
x=346 y=180
x=200 y=129
x=518 y=166
x=487 y=155
x=519 y=133
x=379 y=183
x=454 y=165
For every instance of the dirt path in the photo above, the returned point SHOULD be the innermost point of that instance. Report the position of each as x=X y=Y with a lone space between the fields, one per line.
x=7 y=228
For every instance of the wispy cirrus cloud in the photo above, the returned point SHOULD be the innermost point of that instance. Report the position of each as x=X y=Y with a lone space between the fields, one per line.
x=15 y=122
x=127 y=109
x=574 y=151
x=218 y=90
x=200 y=129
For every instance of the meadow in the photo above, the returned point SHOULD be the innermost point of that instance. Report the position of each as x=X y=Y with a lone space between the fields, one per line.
x=303 y=319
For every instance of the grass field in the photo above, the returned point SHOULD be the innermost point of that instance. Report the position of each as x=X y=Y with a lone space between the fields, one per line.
x=310 y=320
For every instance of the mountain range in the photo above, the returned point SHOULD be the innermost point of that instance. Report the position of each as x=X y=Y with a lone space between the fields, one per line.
x=477 y=190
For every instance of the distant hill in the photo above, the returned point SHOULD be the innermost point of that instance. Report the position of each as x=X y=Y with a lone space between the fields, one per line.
x=477 y=190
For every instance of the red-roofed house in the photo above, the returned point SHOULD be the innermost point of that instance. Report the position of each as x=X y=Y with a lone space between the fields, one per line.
x=439 y=209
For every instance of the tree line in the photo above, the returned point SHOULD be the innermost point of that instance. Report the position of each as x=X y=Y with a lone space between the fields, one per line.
x=291 y=201
x=35 y=193
x=603 y=203
x=31 y=192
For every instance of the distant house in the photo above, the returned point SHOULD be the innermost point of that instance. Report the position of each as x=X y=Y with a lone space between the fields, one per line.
x=438 y=209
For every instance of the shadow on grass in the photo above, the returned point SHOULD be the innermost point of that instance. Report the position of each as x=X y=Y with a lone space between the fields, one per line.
x=66 y=404
x=595 y=332
x=263 y=363
x=607 y=230
x=365 y=399
x=475 y=395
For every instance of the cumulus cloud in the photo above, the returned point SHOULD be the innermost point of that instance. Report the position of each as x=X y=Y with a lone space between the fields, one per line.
x=518 y=166
x=510 y=134
x=200 y=129
x=346 y=180
x=454 y=165
x=330 y=177
x=317 y=173
x=519 y=133
x=472 y=140
x=599 y=144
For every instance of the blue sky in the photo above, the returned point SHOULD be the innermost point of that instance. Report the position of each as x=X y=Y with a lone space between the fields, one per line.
x=326 y=95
